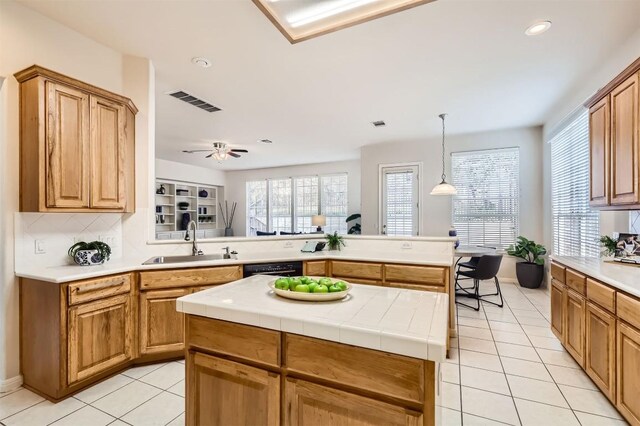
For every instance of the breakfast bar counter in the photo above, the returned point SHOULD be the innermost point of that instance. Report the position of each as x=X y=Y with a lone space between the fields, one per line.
x=256 y=358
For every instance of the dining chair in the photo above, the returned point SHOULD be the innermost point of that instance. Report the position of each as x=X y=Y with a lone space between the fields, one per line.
x=487 y=268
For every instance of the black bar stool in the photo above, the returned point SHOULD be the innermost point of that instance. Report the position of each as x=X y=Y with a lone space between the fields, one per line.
x=486 y=269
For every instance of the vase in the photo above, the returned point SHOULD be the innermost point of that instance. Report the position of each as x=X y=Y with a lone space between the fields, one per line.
x=161 y=190
x=88 y=257
x=228 y=232
x=203 y=193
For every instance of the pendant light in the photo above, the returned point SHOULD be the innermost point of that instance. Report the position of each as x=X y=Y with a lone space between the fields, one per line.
x=443 y=188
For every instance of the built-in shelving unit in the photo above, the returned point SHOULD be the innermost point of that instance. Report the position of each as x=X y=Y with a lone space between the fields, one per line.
x=199 y=202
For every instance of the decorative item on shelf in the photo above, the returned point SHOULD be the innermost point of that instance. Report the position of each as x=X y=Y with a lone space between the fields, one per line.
x=87 y=254
x=203 y=193
x=319 y=220
x=530 y=272
x=335 y=241
x=162 y=218
x=184 y=192
x=453 y=232
x=183 y=205
x=356 y=227
x=608 y=246
x=161 y=190
x=184 y=223
x=158 y=209
x=443 y=188
x=228 y=218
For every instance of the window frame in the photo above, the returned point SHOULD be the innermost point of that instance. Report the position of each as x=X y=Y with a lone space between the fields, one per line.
x=381 y=194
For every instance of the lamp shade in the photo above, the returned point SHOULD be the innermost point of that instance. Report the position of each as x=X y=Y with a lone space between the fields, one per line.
x=318 y=220
x=443 y=188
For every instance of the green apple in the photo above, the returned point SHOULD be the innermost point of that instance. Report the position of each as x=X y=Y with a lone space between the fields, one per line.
x=312 y=286
x=302 y=288
x=282 y=283
x=341 y=284
x=305 y=280
x=334 y=289
x=325 y=281
x=321 y=288
x=293 y=283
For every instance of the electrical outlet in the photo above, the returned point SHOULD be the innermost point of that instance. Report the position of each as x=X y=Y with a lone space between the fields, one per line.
x=40 y=247
x=406 y=245
x=288 y=244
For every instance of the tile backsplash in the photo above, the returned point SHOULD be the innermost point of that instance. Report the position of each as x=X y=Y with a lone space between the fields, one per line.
x=634 y=222
x=56 y=232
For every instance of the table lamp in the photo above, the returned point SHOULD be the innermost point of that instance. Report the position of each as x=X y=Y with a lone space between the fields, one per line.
x=319 y=220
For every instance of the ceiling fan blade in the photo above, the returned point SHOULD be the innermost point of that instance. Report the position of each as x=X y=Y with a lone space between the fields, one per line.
x=239 y=150
x=191 y=151
x=208 y=156
x=233 y=154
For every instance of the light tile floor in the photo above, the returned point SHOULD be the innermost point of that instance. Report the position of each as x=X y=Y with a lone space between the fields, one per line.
x=506 y=367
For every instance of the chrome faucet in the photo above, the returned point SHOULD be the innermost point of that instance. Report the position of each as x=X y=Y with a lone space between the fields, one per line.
x=227 y=255
x=194 y=250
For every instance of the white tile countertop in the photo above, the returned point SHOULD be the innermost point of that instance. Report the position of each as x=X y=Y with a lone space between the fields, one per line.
x=62 y=274
x=399 y=321
x=622 y=277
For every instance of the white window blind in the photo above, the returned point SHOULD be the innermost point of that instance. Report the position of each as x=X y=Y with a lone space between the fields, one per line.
x=400 y=200
x=256 y=207
x=334 y=203
x=486 y=208
x=576 y=227
x=280 y=212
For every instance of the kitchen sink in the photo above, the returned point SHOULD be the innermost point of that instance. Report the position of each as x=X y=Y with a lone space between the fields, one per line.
x=182 y=259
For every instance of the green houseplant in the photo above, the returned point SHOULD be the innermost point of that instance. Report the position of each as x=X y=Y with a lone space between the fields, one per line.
x=530 y=272
x=356 y=227
x=93 y=253
x=608 y=246
x=334 y=241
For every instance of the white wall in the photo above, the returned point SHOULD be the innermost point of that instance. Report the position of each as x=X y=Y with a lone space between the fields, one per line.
x=172 y=170
x=236 y=184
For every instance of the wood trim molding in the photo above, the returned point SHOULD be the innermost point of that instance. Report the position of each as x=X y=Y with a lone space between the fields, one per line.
x=39 y=71
x=620 y=78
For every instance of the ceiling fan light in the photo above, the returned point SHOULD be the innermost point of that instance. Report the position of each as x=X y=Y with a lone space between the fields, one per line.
x=443 y=188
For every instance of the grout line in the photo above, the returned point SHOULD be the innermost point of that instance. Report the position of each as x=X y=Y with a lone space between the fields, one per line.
x=24 y=409
x=176 y=418
x=68 y=414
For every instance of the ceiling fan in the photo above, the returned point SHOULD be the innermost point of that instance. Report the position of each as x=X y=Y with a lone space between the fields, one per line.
x=221 y=151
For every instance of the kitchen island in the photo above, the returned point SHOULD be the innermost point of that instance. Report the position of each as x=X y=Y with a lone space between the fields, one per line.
x=370 y=358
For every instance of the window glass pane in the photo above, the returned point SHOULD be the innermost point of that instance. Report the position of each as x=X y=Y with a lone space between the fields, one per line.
x=335 y=203
x=400 y=200
x=307 y=200
x=576 y=227
x=280 y=205
x=256 y=207
x=486 y=208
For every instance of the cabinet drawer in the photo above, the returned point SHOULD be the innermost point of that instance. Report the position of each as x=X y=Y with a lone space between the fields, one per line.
x=257 y=344
x=575 y=281
x=189 y=277
x=411 y=286
x=415 y=274
x=316 y=268
x=601 y=294
x=396 y=376
x=86 y=291
x=557 y=272
x=628 y=309
x=371 y=271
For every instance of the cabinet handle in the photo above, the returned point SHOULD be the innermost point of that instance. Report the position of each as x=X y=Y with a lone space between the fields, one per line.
x=99 y=286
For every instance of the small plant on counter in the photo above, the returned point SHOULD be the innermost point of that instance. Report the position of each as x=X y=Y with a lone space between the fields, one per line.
x=93 y=253
x=608 y=246
x=356 y=228
x=530 y=272
x=335 y=241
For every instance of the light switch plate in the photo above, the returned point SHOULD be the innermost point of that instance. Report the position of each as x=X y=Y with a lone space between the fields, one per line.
x=40 y=247
x=288 y=244
x=406 y=245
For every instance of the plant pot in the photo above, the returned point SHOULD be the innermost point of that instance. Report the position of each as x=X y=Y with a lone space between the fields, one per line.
x=529 y=274
x=228 y=232
x=88 y=258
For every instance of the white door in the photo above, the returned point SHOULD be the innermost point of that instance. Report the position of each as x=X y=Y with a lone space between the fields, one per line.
x=400 y=200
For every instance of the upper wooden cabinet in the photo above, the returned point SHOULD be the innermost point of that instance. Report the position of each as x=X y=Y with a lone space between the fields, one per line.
x=76 y=145
x=614 y=116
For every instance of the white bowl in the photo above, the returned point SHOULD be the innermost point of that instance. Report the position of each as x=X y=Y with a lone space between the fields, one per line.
x=311 y=297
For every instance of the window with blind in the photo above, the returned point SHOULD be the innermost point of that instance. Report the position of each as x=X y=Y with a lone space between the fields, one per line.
x=400 y=200
x=576 y=227
x=288 y=204
x=486 y=209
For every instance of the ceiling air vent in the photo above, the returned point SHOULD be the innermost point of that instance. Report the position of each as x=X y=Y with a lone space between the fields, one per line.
x=192 y=100
x=378 y=123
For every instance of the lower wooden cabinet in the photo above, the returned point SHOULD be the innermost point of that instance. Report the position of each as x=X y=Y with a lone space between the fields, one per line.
x=317 y=268
x=558 y=292
x=574 y=314
x=99 y=336
x=628 y=372
x=161 y=326
x=600 y=349
x=312 y=404
x=222 y=392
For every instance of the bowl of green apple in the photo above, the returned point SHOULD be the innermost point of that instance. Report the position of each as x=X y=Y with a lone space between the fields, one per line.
x=315 y=289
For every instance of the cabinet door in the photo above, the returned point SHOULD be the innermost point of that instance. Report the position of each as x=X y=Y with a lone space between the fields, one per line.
x=222 y=392
x=628 y=373
x=599 y=158
x=600 y=347
x=316 y=268
x=161 y=326
x=99 y=336
x=67 y=147
x=624 y=143
x=574 y=332
x=310 y=404
x=557 y=308
x=107 y=154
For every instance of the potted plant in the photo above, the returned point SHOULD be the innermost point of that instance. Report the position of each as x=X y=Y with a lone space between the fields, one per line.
x=355 y=228
x=93 y=253
x=608 y=246
x=334 y=241
x=530 y=272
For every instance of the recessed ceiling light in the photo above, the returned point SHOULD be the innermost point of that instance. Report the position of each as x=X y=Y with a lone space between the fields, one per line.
x=201 y=62
x=538 y=28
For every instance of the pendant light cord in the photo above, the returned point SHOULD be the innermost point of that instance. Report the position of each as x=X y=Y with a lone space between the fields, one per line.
x=444 y=176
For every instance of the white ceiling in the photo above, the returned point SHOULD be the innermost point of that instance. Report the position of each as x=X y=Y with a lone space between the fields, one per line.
x=315 y=100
